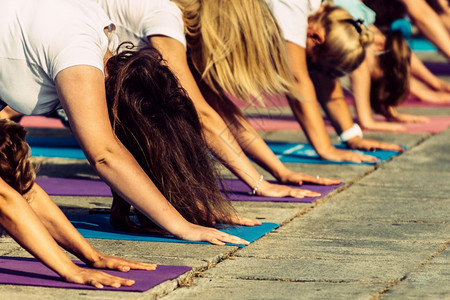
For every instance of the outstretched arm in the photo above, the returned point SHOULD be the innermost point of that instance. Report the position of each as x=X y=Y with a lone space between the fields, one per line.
x=22 y=224
x=308 y=112
x=81 y=90
x=70 y=239
x=360 y=86
x=428 y=22
x=421 y=72
x=331 y=91
x=224 y=139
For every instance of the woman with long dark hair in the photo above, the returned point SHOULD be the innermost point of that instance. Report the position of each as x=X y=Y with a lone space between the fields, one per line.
x=153 y=117
x=43 y=66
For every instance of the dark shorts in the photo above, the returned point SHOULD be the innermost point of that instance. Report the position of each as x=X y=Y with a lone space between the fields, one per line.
x=2 y=105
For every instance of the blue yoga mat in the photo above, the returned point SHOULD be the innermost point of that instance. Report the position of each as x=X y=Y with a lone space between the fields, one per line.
x=305 y=153
x=97 y=226
x=287 y=152
x=55 y=147
x=421 y=44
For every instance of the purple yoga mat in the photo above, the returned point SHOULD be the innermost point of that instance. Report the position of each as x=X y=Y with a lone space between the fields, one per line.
x=236 y=189
x=74 y=187
x=31 y=272
x=239 y=191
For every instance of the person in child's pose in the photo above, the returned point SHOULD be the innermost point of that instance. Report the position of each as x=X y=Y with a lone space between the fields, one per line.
x=228 y=62
x=156 y=121
x=389 y=19
x=324 y=42
x=30 y=217
x=382 y=80
x=43 y=66
x=421 y=14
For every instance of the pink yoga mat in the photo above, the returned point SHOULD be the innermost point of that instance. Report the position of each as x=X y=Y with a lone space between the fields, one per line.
x=31 y=272
x=412 y=101
x=41 y=121
x=236 y=189
x=268 y=123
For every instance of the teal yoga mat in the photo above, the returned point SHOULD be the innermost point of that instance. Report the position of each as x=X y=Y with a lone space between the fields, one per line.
x=55 y=147
x=287 y=152
x=97 y=226
x=421 y=44
x=305 y=153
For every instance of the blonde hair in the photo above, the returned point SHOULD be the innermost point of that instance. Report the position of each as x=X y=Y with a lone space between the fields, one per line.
x=237 y=47
x=345 y=41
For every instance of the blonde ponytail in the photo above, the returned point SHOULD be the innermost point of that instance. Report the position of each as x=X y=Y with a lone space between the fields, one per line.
x=345 y=41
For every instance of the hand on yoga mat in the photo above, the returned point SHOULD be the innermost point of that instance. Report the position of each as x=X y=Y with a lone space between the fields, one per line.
x=294 y=178
x=268 y=189
x=407 y=118
x=383 y=126
x=199 y=233
x=116 y=263
x=236 y=220
x=335 y=154
x=372 y=145
x=96 y=278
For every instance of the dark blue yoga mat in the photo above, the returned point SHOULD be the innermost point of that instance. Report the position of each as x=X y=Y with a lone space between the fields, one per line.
x=305 y=153
x=97 y=226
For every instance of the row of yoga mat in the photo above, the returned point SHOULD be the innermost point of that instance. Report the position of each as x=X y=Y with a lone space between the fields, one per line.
x=286 y=152
x=29 y=271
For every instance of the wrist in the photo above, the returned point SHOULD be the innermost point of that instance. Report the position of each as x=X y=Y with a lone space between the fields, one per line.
x=89 y=257
x=257 y=186
x=349 y=134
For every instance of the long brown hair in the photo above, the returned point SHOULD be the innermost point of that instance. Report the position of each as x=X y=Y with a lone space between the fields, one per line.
x=393 y=87
x=16 y=168
x=154 y=118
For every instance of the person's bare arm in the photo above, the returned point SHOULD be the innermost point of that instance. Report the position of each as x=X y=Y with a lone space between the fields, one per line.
x=226 y=140
x=422 y=73
x=70 y=239
x=360 y=87
x=308 y=112
x=428 y=22
x=338 y=111
x=24 y=226
x=81 y=91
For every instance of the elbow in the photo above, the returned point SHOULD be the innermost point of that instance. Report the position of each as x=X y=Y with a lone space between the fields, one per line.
x=102 y=157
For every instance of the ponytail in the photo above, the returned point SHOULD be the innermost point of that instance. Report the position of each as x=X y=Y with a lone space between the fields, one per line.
x=393 y=87
x=345 y=42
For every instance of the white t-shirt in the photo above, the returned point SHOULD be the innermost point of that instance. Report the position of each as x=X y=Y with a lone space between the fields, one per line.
x=292 y=17
x=136 y=20
x=40 y=38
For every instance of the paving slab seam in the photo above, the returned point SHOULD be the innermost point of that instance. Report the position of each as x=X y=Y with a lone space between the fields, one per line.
x=350 y=183
x=297 y=280
x=187 y=279
x=200 y=271
x=404 y=277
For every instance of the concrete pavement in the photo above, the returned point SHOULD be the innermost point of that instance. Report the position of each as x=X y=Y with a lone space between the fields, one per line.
x=385 y=234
